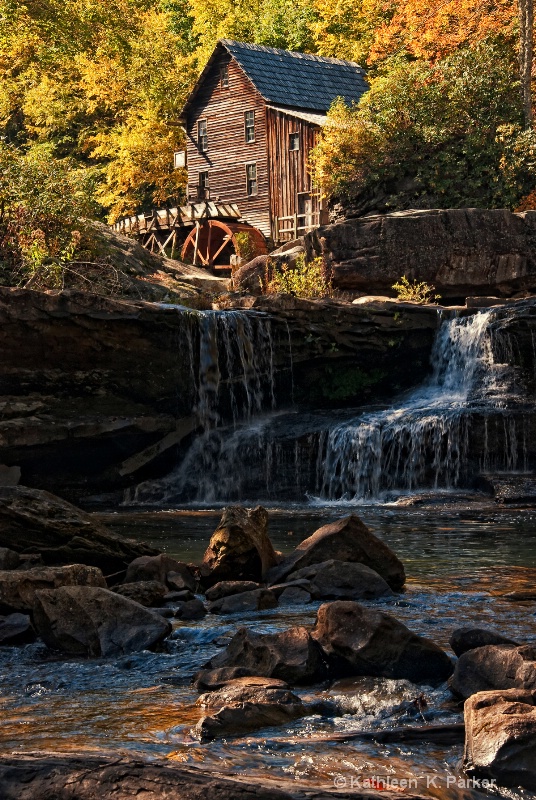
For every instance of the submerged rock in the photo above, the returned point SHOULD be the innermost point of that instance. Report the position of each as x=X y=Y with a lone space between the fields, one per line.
x=362 y=641
x=500 y=737
x=468 y=638
x=494 y=667
x=19 y=587
x=347 y=539
x=33 y=520
x=292 y=655
x=88 y=621
x=239 y=549
x=341 y=580
x=163 y=568
x=257 y=600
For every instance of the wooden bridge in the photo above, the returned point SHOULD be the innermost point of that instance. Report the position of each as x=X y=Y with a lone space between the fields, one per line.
x=205 y=234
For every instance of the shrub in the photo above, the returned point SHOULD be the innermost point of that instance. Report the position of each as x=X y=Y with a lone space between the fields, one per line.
x=306 y=279
x=415 y=292
x=43 y=201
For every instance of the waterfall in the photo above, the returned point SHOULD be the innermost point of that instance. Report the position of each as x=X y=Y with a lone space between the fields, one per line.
x=250 y=450
x=236 y=366
x=423 y=441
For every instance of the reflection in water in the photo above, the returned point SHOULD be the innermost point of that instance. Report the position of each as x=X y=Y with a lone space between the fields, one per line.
x=144 y=703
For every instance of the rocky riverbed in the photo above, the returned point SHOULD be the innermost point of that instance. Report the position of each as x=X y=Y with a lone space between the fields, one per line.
x=321 y=670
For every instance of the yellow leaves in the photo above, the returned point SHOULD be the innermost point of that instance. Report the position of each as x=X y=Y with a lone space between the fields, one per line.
x=139 y=156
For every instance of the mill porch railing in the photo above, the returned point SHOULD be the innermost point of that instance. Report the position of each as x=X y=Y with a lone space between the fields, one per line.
x=299 y=223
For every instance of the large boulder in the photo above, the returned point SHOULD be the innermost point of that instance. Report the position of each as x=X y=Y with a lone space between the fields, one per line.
x=89 y=621
x=164 y=569
x=362 y=641
x=342 y=580
x=460 y=251
x=239 y=549
x=146 y=593
x=19 y=587
x=35 y=521
x=291 y=655
x=494 y=667
x=500 y=737
x=469 y=638
x=347 y=539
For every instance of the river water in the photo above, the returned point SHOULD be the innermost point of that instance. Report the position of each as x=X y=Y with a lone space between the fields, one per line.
x=459 y=561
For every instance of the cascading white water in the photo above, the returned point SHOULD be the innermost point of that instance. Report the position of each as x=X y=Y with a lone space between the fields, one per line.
x=236 y=366
x=421 y=443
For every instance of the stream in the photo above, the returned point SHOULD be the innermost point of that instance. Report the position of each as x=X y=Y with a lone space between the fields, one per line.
x=459 y=560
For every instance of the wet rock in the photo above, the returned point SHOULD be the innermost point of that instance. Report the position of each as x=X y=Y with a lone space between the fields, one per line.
x=98 y=778
x=240 y=709
x=500 y=737
x=9 y=559
x=175 y=574
x=16 y=629
x=227 y=588
x=179 y=597
x=31 y=519
x=239 y=549
x=468 y=638
x=294 y=595
x=89 y=621
x=340 y=580
x=191 y=610
x=347 y=539
x=362 y=641
x=257 y=600
x=378 y=697
x=494 y=667
x=234 y=685
x=146 y=593
x=292 y=655
x=208 y=680
x=18 y=587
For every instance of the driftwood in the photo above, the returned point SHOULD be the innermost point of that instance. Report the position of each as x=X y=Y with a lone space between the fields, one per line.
x=49 y=777
x=440 y=734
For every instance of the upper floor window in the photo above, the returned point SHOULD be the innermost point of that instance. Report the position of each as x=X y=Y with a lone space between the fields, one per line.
x=249 y=121
x=203 y=180
x=294 y=141
x=251 y=179
x=224 y=77
x=202 y=136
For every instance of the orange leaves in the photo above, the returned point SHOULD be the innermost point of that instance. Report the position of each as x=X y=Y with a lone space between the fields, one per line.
x=431 y=31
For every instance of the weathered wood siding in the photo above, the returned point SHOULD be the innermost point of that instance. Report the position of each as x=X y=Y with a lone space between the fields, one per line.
x=289 y=169
x=228 y=152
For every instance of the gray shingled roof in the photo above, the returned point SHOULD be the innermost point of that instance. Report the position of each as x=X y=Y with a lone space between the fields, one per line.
x=298 y=80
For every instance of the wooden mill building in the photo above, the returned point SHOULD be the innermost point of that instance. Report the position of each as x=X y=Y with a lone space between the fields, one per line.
x=251 y=121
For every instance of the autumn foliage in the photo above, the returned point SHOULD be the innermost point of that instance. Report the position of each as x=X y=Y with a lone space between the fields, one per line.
x=100 y=84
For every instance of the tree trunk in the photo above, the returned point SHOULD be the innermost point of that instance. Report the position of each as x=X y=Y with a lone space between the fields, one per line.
x=526 y=27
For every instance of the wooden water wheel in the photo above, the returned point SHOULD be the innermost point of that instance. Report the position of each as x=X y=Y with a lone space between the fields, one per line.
x=212 y=243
